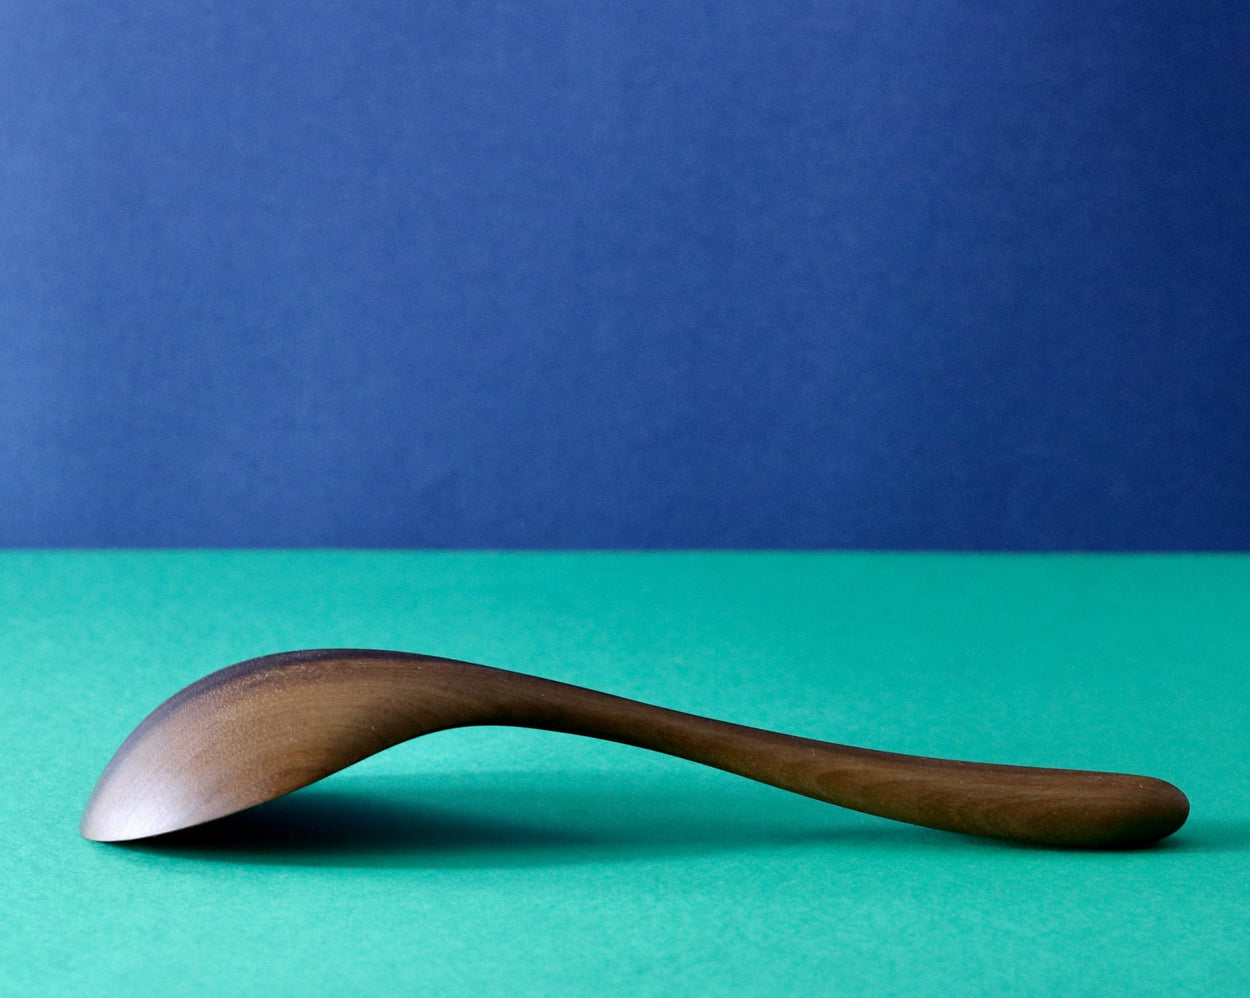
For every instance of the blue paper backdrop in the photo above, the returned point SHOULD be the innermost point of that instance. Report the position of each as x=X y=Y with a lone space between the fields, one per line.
x=580 y=274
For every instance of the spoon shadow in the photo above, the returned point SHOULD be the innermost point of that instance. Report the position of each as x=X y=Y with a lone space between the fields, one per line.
x=506 y=818
x=1215 y=835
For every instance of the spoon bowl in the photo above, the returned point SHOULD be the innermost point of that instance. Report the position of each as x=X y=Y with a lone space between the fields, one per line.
x=262 y=728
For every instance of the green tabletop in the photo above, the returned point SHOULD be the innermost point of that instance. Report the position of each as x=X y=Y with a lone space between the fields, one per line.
x=494 y=861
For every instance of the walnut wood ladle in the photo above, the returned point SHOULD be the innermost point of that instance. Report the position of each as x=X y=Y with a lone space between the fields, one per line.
x=267 y=726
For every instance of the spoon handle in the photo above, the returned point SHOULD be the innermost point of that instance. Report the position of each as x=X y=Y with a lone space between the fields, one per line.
x=1056 y=807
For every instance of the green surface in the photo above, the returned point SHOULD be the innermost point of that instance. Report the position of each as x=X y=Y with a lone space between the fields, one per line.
x=498 y=861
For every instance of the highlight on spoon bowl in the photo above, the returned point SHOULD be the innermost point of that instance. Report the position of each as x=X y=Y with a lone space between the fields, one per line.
x=262 y=728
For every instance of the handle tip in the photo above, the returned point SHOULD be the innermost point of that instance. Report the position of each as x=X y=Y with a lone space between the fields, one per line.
x=1130 y=812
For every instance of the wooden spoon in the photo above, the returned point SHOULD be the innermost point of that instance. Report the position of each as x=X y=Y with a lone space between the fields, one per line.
x=267 y=726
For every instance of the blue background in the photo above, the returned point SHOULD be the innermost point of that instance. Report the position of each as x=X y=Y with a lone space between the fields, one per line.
x=653 y=274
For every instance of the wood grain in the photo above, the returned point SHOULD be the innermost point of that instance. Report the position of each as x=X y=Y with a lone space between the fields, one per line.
x=268 y=726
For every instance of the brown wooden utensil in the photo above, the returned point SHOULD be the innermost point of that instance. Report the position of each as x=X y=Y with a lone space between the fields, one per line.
x=267 y=726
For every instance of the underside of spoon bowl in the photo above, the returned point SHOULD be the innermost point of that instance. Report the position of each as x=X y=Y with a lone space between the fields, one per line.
x=256 y=731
